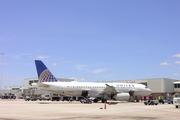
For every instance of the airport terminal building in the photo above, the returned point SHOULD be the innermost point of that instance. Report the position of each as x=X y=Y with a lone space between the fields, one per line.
x=163 y=87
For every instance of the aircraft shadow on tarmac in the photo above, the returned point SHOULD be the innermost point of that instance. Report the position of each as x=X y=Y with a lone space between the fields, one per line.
x=44 y=103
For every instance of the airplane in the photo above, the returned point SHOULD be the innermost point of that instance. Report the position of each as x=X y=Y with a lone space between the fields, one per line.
x=100 y=91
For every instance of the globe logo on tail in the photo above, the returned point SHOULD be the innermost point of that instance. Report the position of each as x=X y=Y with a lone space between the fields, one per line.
x=47 y=76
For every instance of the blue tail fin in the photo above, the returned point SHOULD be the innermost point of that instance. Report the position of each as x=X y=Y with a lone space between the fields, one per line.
x=44 y=74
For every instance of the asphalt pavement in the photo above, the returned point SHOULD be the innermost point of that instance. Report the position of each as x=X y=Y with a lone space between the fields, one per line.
x=47 y=110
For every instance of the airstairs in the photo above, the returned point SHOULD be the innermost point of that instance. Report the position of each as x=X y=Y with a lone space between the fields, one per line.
x=86 y=100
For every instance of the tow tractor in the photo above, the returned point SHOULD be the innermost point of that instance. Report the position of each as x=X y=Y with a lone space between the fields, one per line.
x=151 y=102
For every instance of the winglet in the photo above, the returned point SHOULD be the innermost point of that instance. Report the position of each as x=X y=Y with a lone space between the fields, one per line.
x=44 y=74
x=107 y=84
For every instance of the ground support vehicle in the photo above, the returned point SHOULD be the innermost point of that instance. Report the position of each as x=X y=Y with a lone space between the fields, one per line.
x=33 y=98
x=169 y=101
x=161 y=101
x=176 y=100
x=56 y=98
x=27 y=98
x=151 y=102
x=8 y=97
x=86 y=100
x=45 y=97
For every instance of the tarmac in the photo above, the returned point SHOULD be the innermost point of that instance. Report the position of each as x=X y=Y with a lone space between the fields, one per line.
x=47 y=110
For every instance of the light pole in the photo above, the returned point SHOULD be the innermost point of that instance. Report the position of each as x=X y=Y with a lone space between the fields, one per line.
x=2 y=54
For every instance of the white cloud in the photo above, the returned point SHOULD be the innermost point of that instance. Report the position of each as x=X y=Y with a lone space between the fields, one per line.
x=19 y=56
x=67 y=61
x=99 y=70
x=61 y=58
x=55 y=64
x=42 y=57
x=3 y=64
x=38 y=50
x=165 y=63
x=177 y=55
x=176 y=74
x=177 y=62
x=81 y=67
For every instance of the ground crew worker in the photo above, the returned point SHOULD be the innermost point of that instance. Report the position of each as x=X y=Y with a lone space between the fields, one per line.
x=159 y=98
x=89 y=95
x=70 y=100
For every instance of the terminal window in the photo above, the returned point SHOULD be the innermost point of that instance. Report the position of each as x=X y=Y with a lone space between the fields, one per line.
x=33 y=81
x=144 y=83
x=176 y=85
x=15 y=88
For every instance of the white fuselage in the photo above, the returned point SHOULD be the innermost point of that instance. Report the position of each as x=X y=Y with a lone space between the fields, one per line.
x=94 y=89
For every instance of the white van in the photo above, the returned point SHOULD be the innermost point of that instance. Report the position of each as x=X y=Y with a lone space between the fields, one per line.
x=45 y=97
x=176 y=100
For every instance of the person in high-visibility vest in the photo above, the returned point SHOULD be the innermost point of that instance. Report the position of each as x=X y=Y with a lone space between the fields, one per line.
x=70 y=100
x=89 y=95
x=159 y=98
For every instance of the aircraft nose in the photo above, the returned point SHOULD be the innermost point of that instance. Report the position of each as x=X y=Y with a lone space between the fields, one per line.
x=149 y=90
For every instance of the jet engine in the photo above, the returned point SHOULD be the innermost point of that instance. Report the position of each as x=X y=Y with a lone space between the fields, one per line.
x=121 y=96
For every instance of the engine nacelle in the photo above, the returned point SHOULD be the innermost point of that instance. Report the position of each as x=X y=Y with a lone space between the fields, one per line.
x=121 y=96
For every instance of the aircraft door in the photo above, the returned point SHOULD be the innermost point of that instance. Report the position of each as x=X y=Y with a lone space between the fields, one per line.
x=85 y=93
x=131 y=93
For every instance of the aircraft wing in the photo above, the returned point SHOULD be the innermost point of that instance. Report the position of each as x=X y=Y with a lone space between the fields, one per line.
x=109 y=90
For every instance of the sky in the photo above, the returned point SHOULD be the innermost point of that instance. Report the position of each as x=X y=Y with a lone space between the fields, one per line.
x=90 y=40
